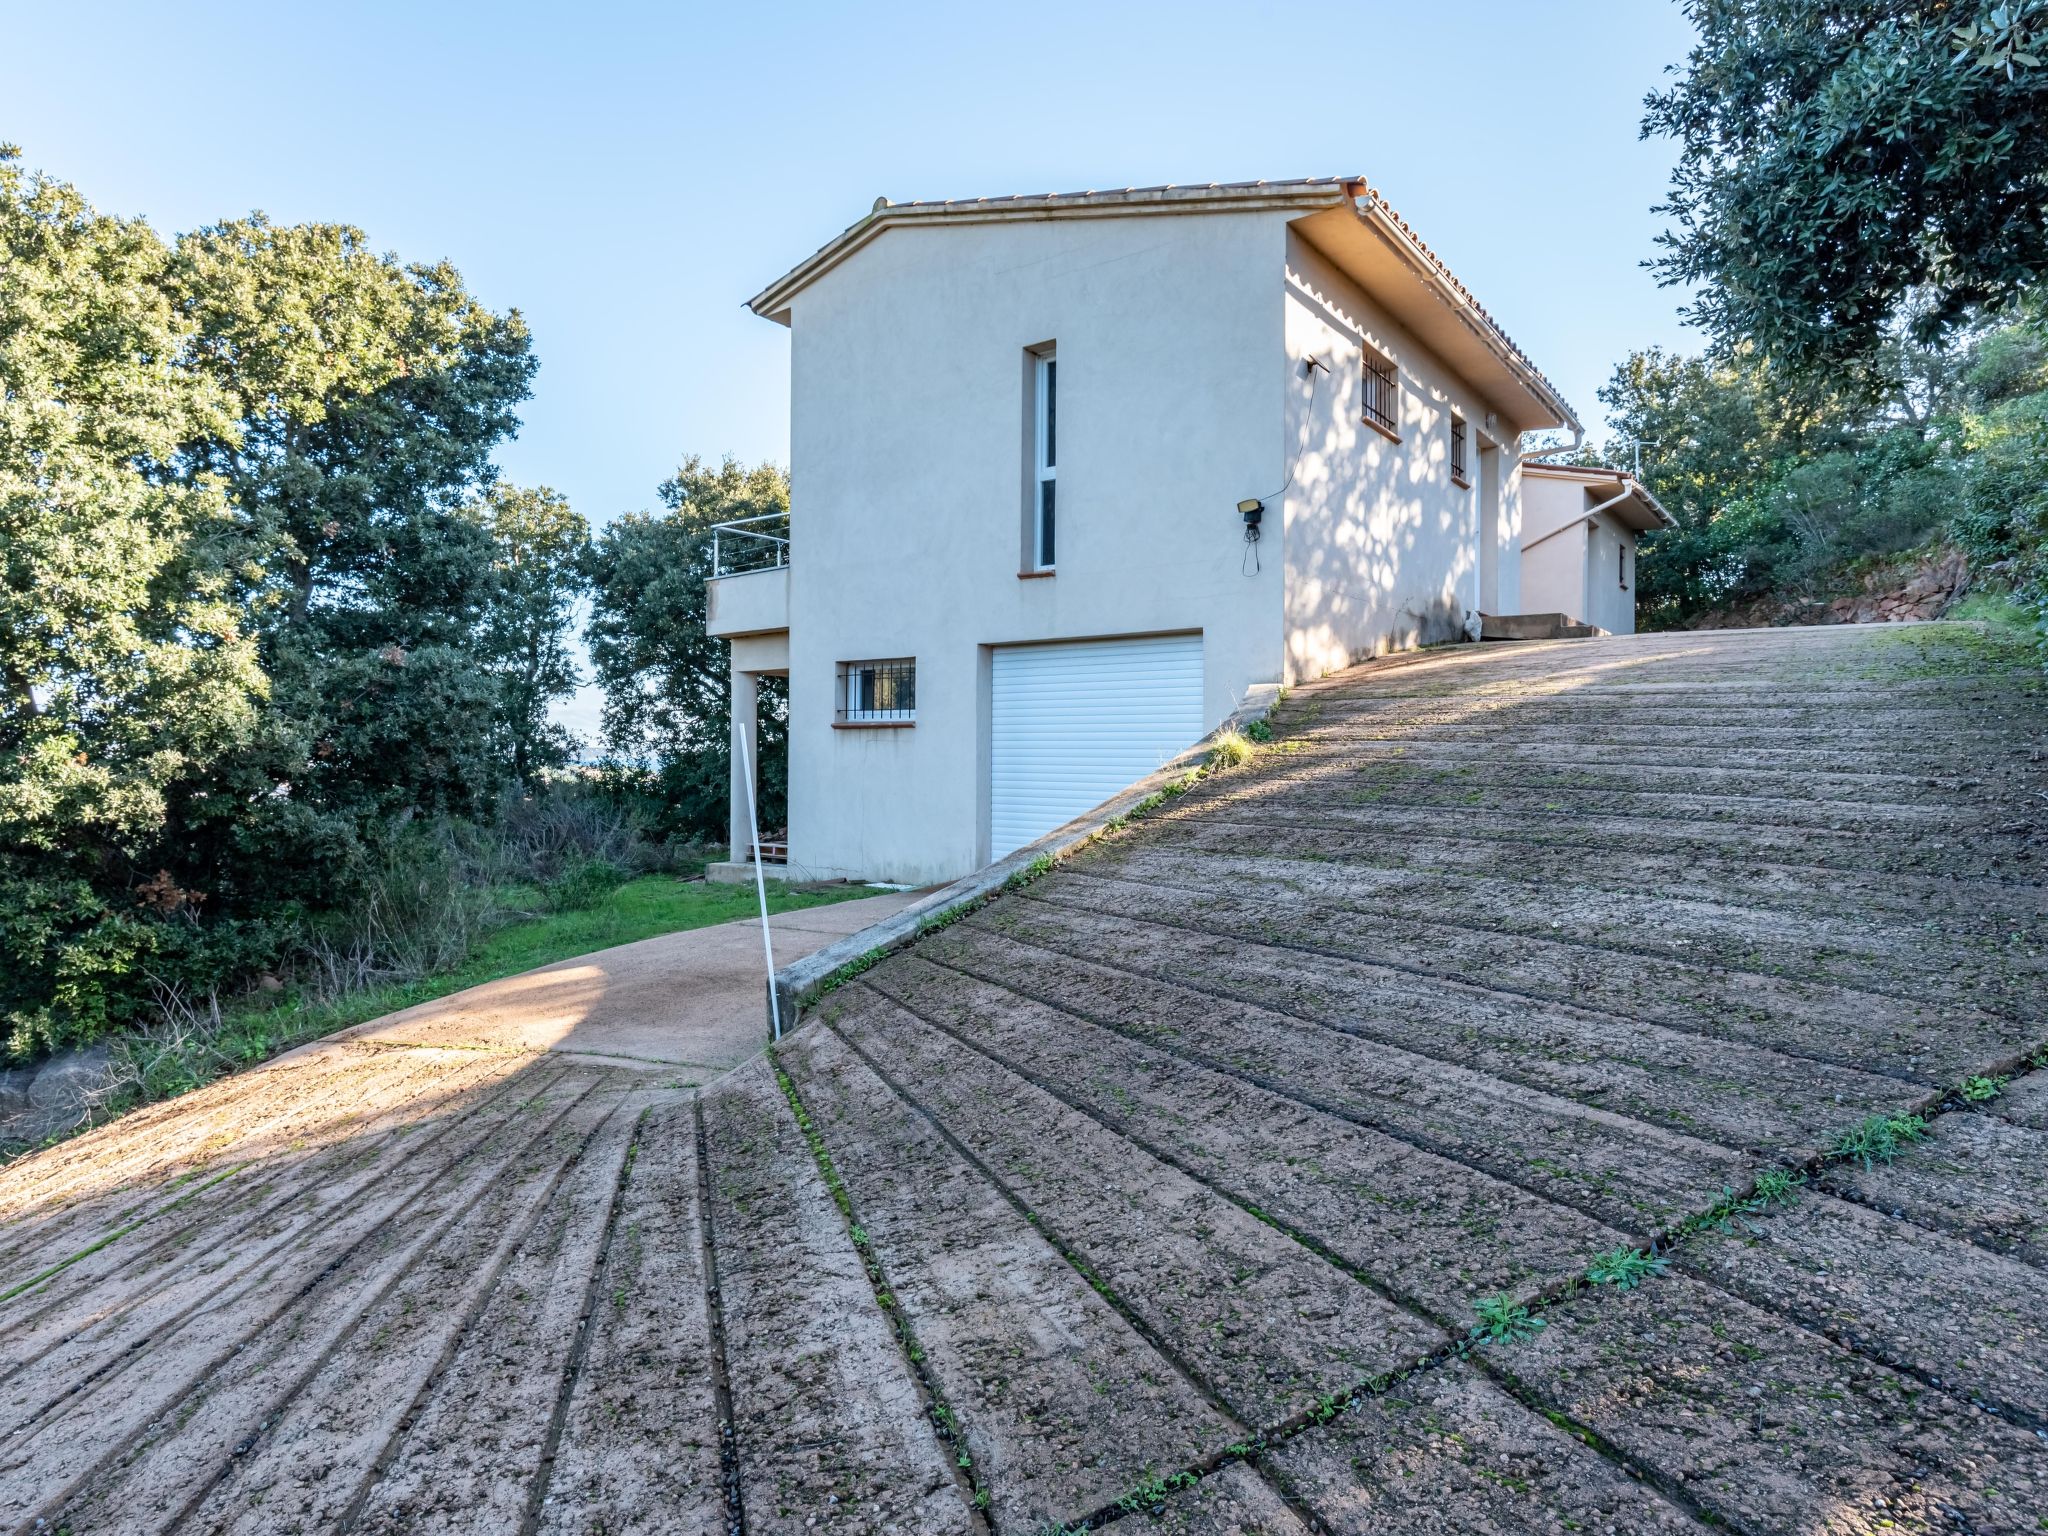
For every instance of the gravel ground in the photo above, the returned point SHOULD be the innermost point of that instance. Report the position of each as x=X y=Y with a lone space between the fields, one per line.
x=1164 y=1191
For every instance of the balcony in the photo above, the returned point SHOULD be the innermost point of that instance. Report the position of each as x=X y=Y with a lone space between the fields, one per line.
x=748 y=593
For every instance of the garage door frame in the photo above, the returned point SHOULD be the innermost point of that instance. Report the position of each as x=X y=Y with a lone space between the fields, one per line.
x=1173 y=712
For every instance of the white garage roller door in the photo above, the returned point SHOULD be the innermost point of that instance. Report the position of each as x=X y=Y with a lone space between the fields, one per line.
x=1070 y=725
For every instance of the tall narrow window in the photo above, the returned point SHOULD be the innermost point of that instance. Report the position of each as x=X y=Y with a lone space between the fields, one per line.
x=1458 y=475
x=1046 y=459
x=1624 y=567
x=1382 y=393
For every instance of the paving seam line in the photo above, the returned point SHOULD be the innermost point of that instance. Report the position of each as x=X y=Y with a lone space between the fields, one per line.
x=1467 y=834
x=53 y=1507
x=1446 y=982
x=289 y=1161
x=1589 y=946
x=940 y=1415
x=1326 y=1408
x=1306 y=778
x=508 y=1246
x=1941 y=1102
x=128 y=1357
x=1297 y=1096
x=1748 y=901
x=579 y=1349
x=1050 y=1234
x=721 y=1380
x=1667 y=824
x=1733 y=1206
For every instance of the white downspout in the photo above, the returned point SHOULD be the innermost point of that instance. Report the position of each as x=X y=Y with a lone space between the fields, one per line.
x=1578 y=441
x=1584 y=517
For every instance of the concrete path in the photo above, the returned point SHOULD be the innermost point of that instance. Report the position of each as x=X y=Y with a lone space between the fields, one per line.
x=1587 y=1086
x=696 y=1000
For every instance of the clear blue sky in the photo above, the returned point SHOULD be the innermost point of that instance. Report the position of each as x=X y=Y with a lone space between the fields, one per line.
x=627 y=175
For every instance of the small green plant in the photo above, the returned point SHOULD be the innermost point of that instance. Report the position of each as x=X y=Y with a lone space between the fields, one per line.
x=1037 y=867
x=1231 y=749
x=1626 y=1268
x=1774 y=1186
x=1880 y=1138
x=1259 y=731
x=1980 y=1090
x=1503 y=1320
x=1152 y=1492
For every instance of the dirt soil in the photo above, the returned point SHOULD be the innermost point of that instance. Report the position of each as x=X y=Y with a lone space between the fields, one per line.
x=1170 y=1189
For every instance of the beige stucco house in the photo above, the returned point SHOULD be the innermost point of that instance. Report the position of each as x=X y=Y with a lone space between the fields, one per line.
x=1029 y=437
x=1579 y=531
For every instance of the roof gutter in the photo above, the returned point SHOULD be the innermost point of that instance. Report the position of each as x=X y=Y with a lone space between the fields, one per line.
x=1578 y=441
x=1419 y=259
x=1628 y=490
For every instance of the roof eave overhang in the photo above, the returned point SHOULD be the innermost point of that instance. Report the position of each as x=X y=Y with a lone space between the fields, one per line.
x=1612 y=483
x=773 y=302
x=1371 y=245
x=1340 y=216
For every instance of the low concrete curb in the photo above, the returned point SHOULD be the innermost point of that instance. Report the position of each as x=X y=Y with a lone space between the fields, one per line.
x=796 y=986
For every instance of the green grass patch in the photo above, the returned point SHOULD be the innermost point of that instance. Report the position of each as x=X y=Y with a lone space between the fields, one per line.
x=643 y=908
x=1880 y=1138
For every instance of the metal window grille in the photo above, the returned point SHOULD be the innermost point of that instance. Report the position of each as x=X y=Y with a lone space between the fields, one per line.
x=1382 y=392
x=1457 y=450
x=875 y=692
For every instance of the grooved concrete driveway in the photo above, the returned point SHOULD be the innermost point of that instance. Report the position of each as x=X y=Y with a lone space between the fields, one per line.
x=1537 y=984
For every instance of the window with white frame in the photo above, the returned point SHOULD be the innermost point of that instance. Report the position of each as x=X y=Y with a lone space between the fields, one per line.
x=1045 y=420
x=1458 y=475
x=877 y=692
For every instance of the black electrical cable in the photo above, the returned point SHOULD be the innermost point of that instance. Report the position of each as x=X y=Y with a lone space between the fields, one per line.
x=1251 y=530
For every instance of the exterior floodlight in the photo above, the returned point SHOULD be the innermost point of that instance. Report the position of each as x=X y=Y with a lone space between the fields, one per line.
x=1251 y=511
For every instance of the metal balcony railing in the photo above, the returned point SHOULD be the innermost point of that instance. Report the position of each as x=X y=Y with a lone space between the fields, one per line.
x=750 y=544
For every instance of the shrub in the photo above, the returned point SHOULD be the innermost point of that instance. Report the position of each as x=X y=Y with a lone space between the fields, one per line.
x=1231 y=749
x=583 y=885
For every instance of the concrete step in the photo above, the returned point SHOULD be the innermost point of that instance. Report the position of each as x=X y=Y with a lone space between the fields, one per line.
x=1535 y=626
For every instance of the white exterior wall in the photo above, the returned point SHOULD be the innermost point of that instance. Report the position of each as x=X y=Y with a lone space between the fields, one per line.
x=1607 y=605
x=1382 y=548
x=1554 y=570
x=908 y=457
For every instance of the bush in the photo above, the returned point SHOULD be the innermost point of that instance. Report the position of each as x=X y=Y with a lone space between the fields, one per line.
x=583 y=885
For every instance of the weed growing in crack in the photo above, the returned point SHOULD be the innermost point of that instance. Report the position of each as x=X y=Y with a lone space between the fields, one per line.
x=1259 y=731
x=1503 y=1320
x=1036 y=869
x=1880 y=1139
x=1151 y=1494
x=1626 y=1268
x=1776 y=1186
x=1981 y=1090
x=1232 y=749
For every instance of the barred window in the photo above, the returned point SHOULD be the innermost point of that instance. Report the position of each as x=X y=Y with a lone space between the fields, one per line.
x=877 y=692
x=1458 y=475
x=1382 y=392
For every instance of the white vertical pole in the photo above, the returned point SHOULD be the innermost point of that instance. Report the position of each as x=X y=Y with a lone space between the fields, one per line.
x=739 y=740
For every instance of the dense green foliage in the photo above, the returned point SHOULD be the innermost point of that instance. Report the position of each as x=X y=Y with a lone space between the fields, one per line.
x=268 y=616
x=1774 y=501
x=667 y=710
x=1848 y=166
x=1861 y=198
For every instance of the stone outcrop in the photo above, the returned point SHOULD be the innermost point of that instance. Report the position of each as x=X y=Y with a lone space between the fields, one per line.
x=1924 y=589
